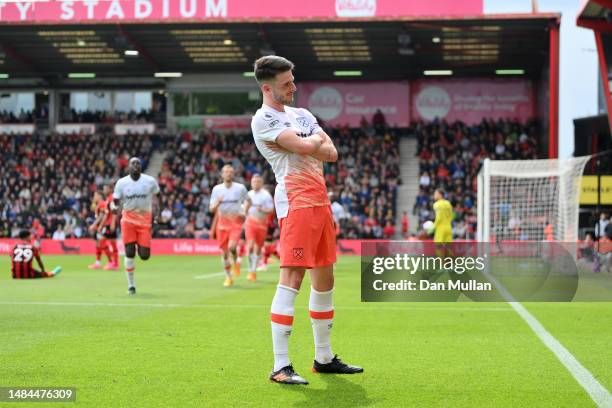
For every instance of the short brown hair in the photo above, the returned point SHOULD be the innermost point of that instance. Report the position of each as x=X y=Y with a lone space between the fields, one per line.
x=268 y=67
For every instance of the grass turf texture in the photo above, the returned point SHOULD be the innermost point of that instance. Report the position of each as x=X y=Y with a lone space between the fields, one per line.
x=190 y=342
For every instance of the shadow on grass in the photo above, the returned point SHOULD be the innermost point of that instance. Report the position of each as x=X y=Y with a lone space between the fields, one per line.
x=340 y=392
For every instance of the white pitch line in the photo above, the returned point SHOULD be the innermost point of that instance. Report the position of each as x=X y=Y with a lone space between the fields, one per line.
x=209 y=275
x=246 y=306
x=600 y=395
x=153 y=305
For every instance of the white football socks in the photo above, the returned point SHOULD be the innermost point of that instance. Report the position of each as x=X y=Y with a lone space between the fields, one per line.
x=321 y=317
x=253 y=259
x=129 y=272
x=281 y=316
x=227 y=266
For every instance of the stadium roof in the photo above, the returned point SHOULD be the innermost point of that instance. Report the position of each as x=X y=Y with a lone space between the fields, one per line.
x=380 y=48
x=596 y=14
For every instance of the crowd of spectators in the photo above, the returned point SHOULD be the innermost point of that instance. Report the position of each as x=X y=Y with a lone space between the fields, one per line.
x=68 y=115
x=365 y=179
x=48 y=181
x=362 y=184
x=450 y=156
x=22 y=117
x=193 y=168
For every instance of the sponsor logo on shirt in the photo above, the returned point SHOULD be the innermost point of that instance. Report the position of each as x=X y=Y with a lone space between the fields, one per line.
x=268 y=116
x=129 y=197
x=274 y=123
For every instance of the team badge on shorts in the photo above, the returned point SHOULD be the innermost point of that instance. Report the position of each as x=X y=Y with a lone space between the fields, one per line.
x=298 y=253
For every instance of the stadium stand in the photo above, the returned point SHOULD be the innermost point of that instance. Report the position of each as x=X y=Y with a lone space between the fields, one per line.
x=365 y=180
x=51 y=179
x=22 y=117
x=72 y=116
x=450 y=156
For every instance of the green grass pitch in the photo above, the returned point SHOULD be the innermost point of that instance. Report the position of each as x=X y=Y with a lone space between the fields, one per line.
x=187 y=342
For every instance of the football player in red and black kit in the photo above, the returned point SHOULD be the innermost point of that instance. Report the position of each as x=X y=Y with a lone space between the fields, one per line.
x=109 y=228
x=105 y=230
x=21 y=260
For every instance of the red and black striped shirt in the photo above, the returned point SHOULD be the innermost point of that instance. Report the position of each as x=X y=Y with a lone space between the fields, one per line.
x=21 y=258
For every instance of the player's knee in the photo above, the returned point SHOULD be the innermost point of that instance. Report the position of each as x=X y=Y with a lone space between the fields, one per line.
x=130 y=250
x=292 y=277
x=144 y=254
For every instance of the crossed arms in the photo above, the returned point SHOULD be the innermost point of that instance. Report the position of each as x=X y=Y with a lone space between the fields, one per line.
x=319 y=145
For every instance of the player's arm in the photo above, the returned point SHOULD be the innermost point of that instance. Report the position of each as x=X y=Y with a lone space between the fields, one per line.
x=247 y=205
x=289 y=140
x=215 y=202
x=213 y=226
x=438 y=218
x=94 y=226
x=100 y=220
x=117 y=195
x=39 y=261
x=116 y=205
x=113 y=224
x=327 y=151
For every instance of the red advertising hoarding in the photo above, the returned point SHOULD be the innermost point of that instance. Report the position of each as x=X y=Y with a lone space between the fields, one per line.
x=143 y=11
x=338 y=103
x=472 y=100
x=158 y=247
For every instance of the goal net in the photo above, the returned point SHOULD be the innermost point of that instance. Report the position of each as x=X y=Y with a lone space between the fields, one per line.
x=529 y=200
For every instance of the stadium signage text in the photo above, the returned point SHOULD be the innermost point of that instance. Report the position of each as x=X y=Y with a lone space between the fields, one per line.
x=471 y=100
x=588 y=190
x=103 y=10
x=339 y=103
x=152 y=11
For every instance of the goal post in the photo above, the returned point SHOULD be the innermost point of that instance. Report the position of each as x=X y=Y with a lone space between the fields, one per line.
x=529 y=200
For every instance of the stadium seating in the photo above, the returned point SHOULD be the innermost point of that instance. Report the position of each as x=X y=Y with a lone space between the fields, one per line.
x=52 y=178
x=364 y=181
x=22 y=117
x=106 y=117
x=450 y=156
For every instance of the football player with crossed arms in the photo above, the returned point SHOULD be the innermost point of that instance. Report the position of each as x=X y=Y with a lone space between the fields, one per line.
x=295 y=146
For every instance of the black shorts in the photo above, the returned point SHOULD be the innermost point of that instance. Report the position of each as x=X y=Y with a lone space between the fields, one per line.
x=108 y=234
